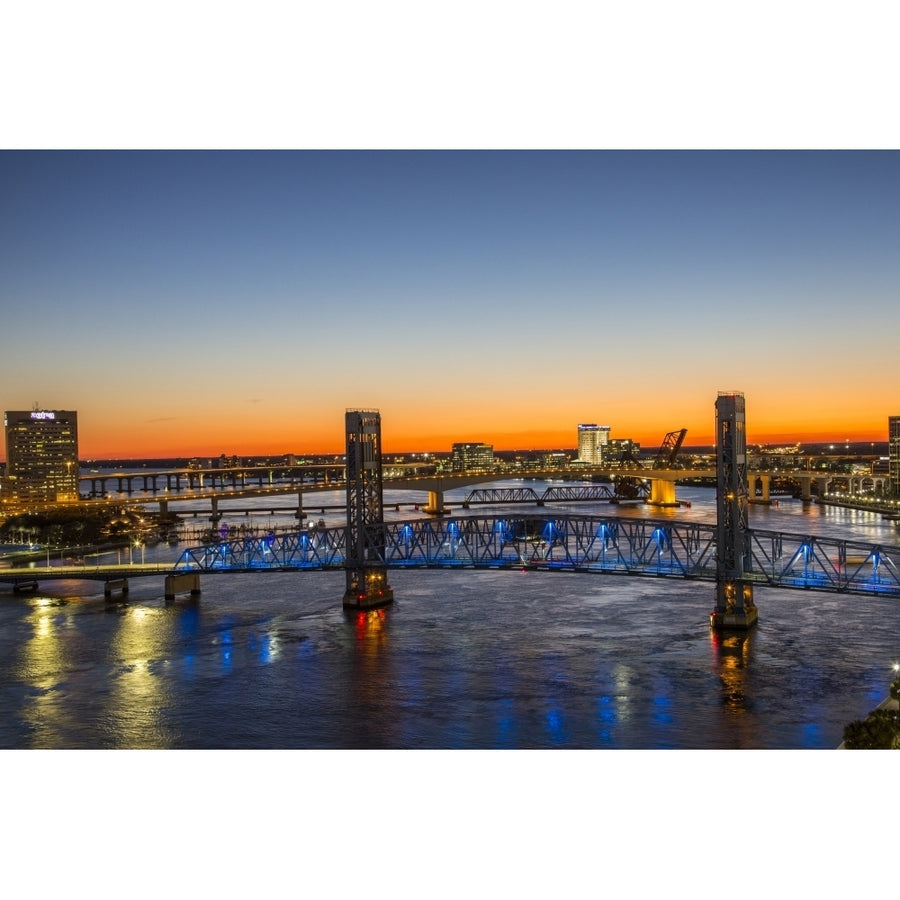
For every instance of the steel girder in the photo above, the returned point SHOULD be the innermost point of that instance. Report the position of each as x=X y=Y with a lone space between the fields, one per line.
x=503 y=495
x=558 y=493
x=578 y=493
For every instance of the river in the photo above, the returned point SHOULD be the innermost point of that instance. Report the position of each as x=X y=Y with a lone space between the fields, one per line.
x=464 y=659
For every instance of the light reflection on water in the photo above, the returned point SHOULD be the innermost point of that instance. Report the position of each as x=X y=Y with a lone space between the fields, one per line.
x=462 y=659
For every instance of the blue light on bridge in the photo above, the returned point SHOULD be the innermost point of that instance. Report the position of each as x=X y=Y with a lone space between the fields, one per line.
x=588 y=543
x=551 y=533
x=406 y=538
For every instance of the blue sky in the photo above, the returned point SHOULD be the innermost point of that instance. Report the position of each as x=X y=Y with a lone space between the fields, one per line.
x=470 y=295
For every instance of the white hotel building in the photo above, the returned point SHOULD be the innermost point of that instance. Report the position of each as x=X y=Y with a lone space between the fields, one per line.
x=591 y=441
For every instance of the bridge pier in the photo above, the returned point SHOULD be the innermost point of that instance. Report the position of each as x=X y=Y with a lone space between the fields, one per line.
x=25 y=587
x=182 y=584
x=166 y=520
x=300 y=515
x=114 y=585
x=765 y=482
x=435 y=506
x=662 y=493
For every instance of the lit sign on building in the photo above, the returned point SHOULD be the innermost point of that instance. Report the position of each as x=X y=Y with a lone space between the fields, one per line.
x=43 y=415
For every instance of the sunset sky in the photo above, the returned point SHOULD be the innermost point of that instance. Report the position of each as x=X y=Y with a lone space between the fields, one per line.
x=198 y=303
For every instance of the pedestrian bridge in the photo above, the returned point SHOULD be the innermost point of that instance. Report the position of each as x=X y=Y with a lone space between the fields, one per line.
x=594 y=544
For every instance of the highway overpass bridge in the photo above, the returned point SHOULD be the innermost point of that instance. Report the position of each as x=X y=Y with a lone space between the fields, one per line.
x=657 y=487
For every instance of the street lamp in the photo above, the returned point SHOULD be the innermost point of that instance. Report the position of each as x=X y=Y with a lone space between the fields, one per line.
x=895 y=686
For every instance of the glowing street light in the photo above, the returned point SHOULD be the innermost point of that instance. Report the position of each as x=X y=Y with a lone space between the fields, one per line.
x=895 y=686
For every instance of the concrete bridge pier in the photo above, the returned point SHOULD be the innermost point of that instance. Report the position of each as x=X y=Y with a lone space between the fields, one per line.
x=435 y=506
x=300 y=515
x=182 y=584
x=765 y=482
x=25 y=587
x=115 y=585
x=166 y=519
x=662 y=493
x=806 y=484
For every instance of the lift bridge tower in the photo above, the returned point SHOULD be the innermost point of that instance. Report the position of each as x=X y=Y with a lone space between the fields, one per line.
x=734 y=594
x=367 y=584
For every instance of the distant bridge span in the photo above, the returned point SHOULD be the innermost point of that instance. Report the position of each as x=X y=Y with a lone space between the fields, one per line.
x=561 y=493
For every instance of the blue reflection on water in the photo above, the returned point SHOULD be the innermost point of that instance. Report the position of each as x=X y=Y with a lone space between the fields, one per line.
x=265 y=649
x=812 y=736
x=661 y=710
x=555 y=727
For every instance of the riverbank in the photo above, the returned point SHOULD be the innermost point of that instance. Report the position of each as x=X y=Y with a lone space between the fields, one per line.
x=887 y=704
x=889 y=509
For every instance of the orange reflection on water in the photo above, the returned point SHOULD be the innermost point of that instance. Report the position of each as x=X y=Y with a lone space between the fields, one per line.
x=42 y=666
x=136 y=704
x=370 y=624
x=732 y=657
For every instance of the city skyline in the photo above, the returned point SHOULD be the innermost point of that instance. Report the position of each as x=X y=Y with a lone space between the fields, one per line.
x=194 y=303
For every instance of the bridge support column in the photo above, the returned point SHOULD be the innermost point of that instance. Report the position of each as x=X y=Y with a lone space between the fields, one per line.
x=182 y=584
x=765 y=482
x=25 y=587
x=300 y=515
x=662 y=493
x=115 y=585
x=435 y=505
x=734 y=594
x=215 y=515
x=166 y=520
x=806 y=489
x=367 y=584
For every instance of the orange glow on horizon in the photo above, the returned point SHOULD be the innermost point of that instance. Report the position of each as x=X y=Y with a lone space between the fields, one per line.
x=318 y=428
x=396 y=443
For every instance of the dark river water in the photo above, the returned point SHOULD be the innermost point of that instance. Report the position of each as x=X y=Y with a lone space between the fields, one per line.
x=470 y=659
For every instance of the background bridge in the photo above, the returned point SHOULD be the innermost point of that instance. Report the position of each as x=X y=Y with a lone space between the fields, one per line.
x=572 y=493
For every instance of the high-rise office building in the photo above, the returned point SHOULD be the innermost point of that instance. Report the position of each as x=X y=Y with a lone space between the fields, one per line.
x=467 y=457
x=41 y=455
x=894 y=454
x=591 y=441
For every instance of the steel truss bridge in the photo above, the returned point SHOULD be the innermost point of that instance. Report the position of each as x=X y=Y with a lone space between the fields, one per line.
x=595 y=544
x=578 y=493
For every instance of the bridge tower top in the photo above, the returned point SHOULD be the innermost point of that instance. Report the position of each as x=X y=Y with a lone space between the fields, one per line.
x=734 y=595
